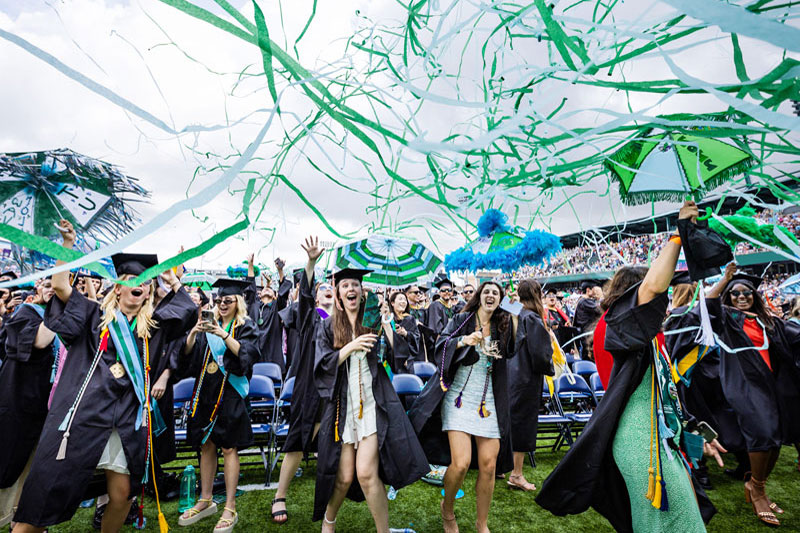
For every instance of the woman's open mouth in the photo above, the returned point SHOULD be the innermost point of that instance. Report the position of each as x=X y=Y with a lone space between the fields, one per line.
x=137 y=292
x=352 y=297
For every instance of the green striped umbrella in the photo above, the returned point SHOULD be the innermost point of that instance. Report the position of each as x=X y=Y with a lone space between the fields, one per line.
x=198 y=279
x=395 y=261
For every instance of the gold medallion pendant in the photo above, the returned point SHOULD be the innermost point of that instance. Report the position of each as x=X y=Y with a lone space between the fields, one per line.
x=117 y=370
x=212 y=367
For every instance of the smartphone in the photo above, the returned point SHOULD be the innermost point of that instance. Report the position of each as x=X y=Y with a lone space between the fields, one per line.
x=372 y=312
x=706 y=432
x=207 y=316
x=17 y=294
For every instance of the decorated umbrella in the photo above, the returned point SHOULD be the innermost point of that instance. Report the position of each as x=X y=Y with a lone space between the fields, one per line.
x=791 y=285
x=198 y=279
x=672 y=166
x=502 y=247
x=395 y=261
x=37 y=189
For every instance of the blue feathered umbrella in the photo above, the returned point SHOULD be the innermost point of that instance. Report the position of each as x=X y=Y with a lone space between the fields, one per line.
x=502 y=247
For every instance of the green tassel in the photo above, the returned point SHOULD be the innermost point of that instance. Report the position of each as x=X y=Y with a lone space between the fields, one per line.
x=65 y=423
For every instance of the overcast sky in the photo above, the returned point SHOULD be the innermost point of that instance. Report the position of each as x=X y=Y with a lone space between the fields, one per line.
x=186 y=73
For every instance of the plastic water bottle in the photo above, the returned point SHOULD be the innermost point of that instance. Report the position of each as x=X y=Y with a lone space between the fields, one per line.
x=188 y=486
x=392 y=493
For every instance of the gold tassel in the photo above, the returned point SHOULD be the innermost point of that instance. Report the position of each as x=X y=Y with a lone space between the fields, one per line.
x=651 y=485
x=360 y=410
x=657 y=494
x=162 y=522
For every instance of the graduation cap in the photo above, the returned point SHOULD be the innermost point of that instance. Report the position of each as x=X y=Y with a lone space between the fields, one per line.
x=10 y=274
x=589 y=283
x=133 y=264
x=230 y=287
x=440 y=280
x=745 y=279
x=704 y=249
x=203 y=297
x=680 y=277
x=350 y=273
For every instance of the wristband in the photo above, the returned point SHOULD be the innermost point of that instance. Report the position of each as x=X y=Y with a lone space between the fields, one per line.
x=386 y=319
x=676 y=239
x=227 y=336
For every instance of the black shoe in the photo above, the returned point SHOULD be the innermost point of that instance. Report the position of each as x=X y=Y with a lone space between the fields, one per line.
x=97 y=521
x=738 y=473
x=133 y=514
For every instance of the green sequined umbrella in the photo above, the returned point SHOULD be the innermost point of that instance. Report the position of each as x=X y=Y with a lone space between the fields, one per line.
x=395 y=261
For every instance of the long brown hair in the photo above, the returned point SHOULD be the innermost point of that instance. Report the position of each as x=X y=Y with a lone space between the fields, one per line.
x=530 y=295
x=342 y=331
x=499 y=318
x=759 y=308
x=683 y=293
x=625 y=278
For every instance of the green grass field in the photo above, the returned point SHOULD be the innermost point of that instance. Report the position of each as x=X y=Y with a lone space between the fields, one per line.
x=512 y=511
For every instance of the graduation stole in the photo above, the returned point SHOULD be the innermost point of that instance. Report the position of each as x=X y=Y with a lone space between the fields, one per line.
x=121 y=333
x=665 y=422
x=217 y=347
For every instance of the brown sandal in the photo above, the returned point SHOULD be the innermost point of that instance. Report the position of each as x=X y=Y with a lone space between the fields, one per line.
x=766 y=517
x=526 y=486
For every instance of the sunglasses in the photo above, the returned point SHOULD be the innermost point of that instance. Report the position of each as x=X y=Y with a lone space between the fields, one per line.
x=325 y=287
x=744 y=293
x=414 y=292
x=226 y=301
x=469 y=291
x=446 y=289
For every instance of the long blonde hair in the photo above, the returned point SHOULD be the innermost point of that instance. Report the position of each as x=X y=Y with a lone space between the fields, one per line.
x=144 y=318
x=241 y=311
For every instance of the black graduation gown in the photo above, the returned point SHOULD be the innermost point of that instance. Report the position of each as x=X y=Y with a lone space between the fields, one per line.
x=436 y=318
x=588 y=476
x=268 y=322
x=426 y=412
x=304 y=412
x=534 y=359
x=54 y=489
x=406 y=349
x=289 y=319
x=164 y=448
x=402 y=461
x=765 y=403
x=25 y=385
x=586 y=313
x=232 y=428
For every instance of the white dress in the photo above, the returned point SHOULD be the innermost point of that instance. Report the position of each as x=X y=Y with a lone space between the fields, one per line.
x=113 y=457
x=471 y=380
x=355 y=428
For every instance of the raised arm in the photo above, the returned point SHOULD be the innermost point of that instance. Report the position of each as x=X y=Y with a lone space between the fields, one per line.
x=661 y=271
x=60 y=281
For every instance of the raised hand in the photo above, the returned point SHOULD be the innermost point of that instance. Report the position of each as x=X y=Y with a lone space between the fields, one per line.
x=312 y=248
x=279 y=264
x=67 y=233
x=689 y=210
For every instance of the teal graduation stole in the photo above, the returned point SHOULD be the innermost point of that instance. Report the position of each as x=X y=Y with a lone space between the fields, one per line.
x=121 y=333
x=217 y=347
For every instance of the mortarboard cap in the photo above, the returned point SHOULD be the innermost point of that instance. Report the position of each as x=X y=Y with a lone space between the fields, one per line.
x=704 y=249
x=746 y=279
x=203 y=297
x=350 y=273
x=440 y=280
x=9 y=274
x=297 y=274
x=133 y=264
x=680 y=277
x=589 y=283
x=230 y=287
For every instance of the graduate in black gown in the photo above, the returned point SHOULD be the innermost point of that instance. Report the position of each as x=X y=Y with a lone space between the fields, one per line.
x=438 y=314
x=407 y=341
x=447 y=422
x=220 y=354
x=759 y=375
x=26 y=379
x=305 y=410
x=97 y=418
x=526 y=371
x=589 y=474
x=264 y=307
x=364 y=431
